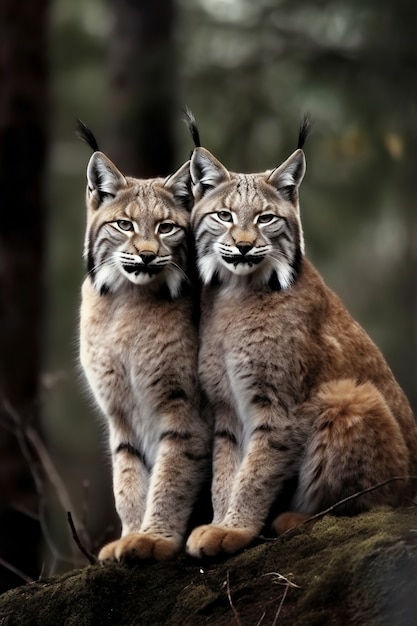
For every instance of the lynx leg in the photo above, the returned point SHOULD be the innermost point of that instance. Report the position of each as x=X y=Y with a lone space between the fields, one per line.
x=173 y=488
x=226 y=460
x=356 y=444
x=253 y=491
x=130 y=485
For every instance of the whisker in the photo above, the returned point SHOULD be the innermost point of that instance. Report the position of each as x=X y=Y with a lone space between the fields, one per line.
x=208 y=257
x=162 y=260
x=275 y=254
x=178 y=267
x=110 y=260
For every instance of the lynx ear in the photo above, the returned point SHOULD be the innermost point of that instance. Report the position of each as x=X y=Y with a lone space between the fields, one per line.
x=206 y=172
x=179 y=183
x=288 y=176
x=104 y=179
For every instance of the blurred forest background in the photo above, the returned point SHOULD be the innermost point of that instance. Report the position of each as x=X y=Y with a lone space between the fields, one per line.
x=249 y=71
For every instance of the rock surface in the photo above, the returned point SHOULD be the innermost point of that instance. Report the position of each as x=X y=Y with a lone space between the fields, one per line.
x=342 y=571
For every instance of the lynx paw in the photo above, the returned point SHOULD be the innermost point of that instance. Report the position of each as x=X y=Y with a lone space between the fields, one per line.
x=137 y=546
x=287 y=521
x=211 y=540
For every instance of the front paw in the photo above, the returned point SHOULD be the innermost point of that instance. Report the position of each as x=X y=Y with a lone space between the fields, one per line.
x=210 y=540
x=108 y=552
x=140 y=546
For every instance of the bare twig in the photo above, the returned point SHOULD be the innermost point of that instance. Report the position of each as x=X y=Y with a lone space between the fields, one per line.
x=261 y=619
x=53 y=477
x=279 y=579
x=334 y=506
x=90 y=557
x=19 y=433
x=229 y=597
x=16 y=571
x=15 y=426
x=284 y=595
x=354 y=496
x=40 y=517
x=42 y=469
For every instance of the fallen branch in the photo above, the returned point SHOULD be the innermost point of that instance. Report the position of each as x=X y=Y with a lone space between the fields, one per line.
x=90 y=557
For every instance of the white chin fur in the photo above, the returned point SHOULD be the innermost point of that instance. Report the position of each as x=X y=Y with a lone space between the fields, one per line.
x=114 y=279
x=212 y=264
x=241 y=269
x=109 y=277
x=139 y=279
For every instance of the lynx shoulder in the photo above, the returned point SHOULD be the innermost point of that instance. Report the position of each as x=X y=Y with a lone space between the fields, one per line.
x=138 y=349
x=300 y=393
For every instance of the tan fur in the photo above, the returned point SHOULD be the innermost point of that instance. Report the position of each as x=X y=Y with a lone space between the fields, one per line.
x=138 y=348
x=296 y=386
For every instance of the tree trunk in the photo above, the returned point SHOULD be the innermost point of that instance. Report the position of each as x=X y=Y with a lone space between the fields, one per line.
x=23 y=148
x=143 y=86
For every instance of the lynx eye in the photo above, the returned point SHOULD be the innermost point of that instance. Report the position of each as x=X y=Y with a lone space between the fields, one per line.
x=165 y=227
x=266 y=218
x=225 y=216
x=124 y=225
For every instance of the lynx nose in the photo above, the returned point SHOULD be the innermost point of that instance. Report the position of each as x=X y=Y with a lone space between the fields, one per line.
x=147 y=257
x=243 y=248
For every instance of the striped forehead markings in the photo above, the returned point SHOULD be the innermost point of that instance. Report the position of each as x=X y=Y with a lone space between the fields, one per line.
x=147 y=203
x=246 y=193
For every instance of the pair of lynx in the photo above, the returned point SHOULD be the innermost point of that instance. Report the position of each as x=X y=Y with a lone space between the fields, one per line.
x=277 y=385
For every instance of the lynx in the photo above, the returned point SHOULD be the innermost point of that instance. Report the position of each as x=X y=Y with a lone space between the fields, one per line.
x=299 y=392
x=138 y=348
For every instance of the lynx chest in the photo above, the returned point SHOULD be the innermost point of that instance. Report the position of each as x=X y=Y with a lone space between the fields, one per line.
x=132 y=348
x=249 y=342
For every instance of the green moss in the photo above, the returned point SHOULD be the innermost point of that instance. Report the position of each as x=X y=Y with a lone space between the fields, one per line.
x=360 y=571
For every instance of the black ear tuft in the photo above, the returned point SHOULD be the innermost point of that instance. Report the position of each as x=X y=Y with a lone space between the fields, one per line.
x=305 y=130
x=85 y=134
x=191 y=123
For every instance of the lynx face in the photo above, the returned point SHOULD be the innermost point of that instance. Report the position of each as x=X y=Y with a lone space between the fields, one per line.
x=247 y=225
x=136 y=229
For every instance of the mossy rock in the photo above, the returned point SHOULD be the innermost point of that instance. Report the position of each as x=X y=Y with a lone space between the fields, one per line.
x=343 y=571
